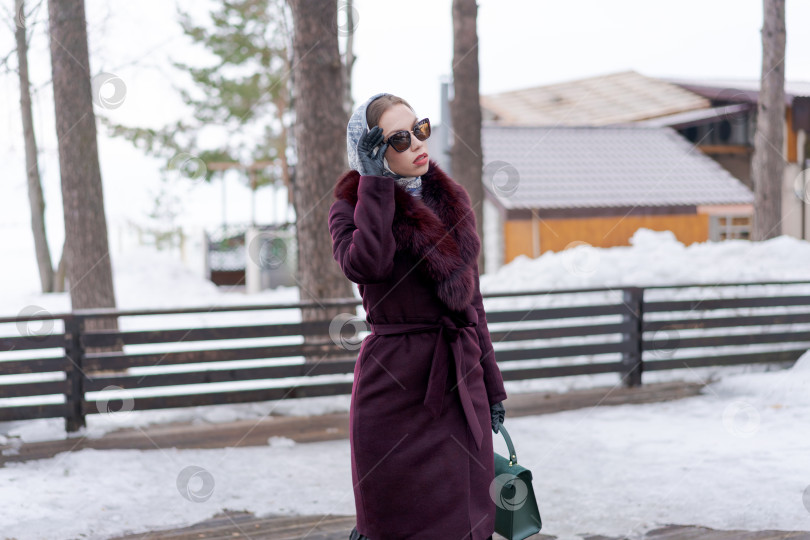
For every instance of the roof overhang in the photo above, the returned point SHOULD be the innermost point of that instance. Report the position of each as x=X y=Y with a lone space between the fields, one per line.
x=795 y=99
x=698 y=117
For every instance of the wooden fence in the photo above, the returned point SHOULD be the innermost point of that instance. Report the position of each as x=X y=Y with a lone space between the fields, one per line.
x=536 y=334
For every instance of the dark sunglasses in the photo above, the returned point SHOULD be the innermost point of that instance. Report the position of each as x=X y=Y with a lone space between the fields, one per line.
x=401 y=140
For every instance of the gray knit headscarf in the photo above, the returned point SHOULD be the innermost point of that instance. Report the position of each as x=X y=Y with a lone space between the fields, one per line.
x=355 y=129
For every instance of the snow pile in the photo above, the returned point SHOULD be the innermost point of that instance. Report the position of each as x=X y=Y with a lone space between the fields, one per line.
x=655 y=258
x=146 y=278
x=784 y=388
x=280 y=442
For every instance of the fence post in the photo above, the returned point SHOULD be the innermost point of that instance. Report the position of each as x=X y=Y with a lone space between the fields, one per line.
x=74 y=351
x=632 y=365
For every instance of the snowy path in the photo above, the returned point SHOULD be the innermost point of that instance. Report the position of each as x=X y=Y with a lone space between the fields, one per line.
x=318 y=427
x=331 y=527
x=734 y=457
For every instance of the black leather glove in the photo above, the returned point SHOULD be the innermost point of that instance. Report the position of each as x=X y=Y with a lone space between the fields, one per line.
x=371 y=163
x=497 y=412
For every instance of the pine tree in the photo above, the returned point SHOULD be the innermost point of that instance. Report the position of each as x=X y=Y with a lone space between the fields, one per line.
x=243 y=97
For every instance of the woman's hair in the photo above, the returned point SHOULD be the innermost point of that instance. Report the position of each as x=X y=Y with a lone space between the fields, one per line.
x=377 y=107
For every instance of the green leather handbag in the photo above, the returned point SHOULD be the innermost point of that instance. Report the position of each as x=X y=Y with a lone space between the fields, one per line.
x=516 y=513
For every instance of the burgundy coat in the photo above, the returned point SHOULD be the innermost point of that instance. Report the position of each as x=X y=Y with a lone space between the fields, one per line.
x=420 y=428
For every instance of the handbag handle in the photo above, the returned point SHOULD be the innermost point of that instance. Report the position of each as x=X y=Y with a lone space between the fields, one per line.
x=509 y=445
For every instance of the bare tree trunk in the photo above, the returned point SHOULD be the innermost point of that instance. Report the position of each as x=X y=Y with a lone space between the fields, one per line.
x=348 y=102
x=768 y=162
x=283 y=106
x=320 y=134
x=61 y=271
x=89 y=271
x=465 y=110
x=35 y=198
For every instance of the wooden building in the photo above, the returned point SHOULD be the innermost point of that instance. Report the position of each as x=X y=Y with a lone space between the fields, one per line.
x=717 y=118
x=728 y=137
x=547 y=188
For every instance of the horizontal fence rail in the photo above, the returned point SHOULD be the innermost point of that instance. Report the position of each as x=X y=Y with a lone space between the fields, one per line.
x=66 y=365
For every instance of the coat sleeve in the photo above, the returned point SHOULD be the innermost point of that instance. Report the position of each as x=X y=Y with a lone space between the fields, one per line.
x=362 y=239
x=492 y=374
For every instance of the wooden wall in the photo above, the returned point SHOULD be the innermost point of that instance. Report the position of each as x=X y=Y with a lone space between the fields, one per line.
x=791 y=139
x=556 y=234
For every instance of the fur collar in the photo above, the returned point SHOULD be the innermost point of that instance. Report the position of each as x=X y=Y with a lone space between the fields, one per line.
x=438 y=229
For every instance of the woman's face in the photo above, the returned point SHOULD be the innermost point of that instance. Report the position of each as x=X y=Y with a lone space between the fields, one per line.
x=414 y=160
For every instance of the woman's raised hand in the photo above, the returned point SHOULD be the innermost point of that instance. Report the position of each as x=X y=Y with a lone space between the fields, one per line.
x=371 y=164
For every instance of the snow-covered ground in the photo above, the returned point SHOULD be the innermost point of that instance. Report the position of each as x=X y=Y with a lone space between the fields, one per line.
x=733 y=457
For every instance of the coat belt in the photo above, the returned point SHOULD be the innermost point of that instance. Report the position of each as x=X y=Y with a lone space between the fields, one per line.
x=447 y=330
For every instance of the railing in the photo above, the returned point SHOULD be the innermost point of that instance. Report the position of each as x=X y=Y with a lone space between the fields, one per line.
x=227 y=253
x=249 y=353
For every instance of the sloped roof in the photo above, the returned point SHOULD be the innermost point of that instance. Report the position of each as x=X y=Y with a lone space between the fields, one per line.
x=601 y=167
x=719 y=88
x=607 y=99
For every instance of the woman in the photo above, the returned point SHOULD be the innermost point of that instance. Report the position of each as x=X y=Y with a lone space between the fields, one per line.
x=426 y=386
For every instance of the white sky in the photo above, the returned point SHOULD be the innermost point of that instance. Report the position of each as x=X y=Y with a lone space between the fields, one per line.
x=403 y=48
x=525 y=43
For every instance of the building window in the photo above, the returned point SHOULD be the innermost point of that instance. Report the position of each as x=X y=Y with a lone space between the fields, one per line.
x=729 y=226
